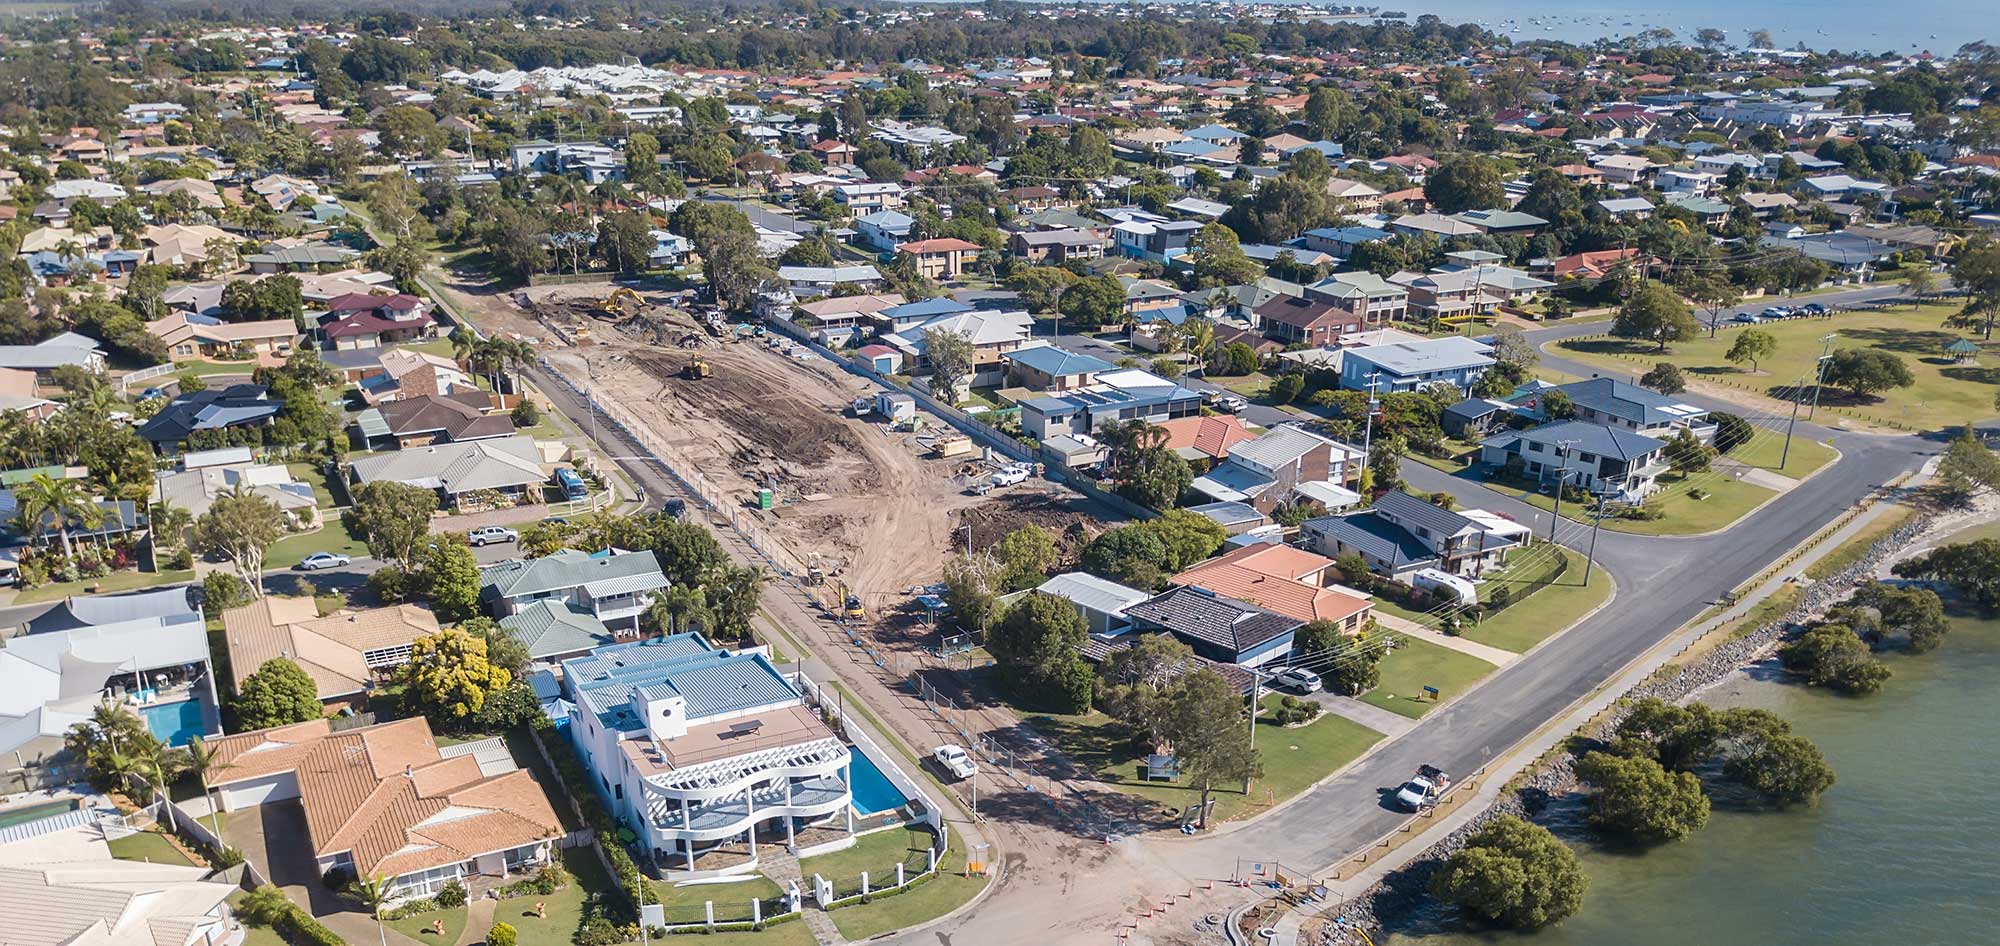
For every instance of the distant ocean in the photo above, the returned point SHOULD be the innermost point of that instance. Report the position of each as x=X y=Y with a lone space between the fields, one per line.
x=1940 y=26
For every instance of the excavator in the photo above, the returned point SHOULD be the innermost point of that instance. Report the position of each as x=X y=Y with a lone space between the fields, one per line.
x=620 y=303
x=696 y=369
x=847 y=603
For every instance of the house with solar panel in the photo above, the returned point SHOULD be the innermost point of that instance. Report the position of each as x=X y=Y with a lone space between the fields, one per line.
x=710 y=756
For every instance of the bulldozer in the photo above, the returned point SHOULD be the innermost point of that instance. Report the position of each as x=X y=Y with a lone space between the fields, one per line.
x=620 y=303
x=696 y=369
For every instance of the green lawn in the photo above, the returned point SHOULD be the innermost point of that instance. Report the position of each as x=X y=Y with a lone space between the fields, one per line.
x=876 y=853
x=1545 y=611
x=206 y=368
x=565 y=906
x=730 y=899
x=1945 y=393
x=1727 y=500
x=148 y=846
x=925 y=902
x=114 y=582
x=1766 y=448
x=332 y=537
x=1416 y=664
x=1294 y=759
x=418 y=926
x=314 y=475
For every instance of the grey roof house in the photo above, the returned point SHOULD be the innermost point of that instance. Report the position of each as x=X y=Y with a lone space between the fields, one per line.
x=1603 y=460
x=1617 y=404
x=1221 y=629
x=508 y=465
x=607 y=586
x=1402 y=534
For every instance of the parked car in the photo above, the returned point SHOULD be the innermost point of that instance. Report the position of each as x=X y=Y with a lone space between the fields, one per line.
x=1010 y=476
x=1230 y=403
x=1749 y=317
x=1775 y=312
x=488 y=535
x=955 y=761
x=676 y=508
x=1811 y=308
x=319 y=560
x=1299 y=679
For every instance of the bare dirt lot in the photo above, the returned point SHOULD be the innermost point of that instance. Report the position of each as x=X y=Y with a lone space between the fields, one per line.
x=874 y=507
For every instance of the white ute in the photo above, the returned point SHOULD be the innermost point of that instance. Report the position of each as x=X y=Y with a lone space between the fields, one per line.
x=1424 y=789
x=955 y=761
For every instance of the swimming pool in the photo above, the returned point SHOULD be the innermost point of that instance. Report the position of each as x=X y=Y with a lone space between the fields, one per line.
x=873 y=792
x=174 y=723
x=30 y=813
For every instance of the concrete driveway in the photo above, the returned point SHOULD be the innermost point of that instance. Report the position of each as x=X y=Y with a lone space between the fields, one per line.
x=273 y=838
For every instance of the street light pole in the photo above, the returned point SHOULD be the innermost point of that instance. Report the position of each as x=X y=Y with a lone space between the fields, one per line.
x=1368 y=423
x=1596 y=524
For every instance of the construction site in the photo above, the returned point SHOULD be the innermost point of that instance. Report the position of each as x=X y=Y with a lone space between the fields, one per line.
x=855 y=483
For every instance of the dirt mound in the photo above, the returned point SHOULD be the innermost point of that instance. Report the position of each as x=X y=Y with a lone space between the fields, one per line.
x=764 y=416
x=1074 y=519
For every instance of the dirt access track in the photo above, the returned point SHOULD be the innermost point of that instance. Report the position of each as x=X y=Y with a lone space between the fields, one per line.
x=872 y=505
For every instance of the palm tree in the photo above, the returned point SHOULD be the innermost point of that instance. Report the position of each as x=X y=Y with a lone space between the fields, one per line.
x=159 y=767
x=44 y=496
x=372 y=893
x=203 y=761
x=463 y=343
x=679 y=607
x=1198 y=338
x=170 y=520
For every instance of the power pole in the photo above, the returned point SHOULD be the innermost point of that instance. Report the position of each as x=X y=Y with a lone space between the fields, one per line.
x=1596 y=524
x=1368 y=425
x=1562 y=476
x=1819 y=371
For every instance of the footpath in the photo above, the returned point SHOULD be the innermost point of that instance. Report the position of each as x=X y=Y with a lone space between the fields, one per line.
x=1412 y=845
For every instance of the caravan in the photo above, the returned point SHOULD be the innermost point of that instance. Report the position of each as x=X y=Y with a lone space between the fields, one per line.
x=1446 y=585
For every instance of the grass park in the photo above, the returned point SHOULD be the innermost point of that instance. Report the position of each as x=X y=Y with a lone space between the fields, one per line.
x=1415 y=664
x=1946 y=391
x=1294 y=758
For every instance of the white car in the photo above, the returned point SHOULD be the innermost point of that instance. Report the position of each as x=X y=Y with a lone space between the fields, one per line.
x=488 y=535
x=1299 y=679
x=1010 y=476
x=1422 y=791
x=319 y=560
x=1230 y=404
x=955 y=761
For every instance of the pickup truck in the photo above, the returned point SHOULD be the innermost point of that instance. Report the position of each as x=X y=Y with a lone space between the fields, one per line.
x=1423 y=789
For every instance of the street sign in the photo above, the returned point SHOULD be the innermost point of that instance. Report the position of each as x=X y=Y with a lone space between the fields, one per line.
x=1432 y=693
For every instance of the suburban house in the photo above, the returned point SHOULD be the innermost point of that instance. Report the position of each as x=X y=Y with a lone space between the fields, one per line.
x=212 y=409
x=1605 y=461
x=345 y=653
x=883 y=230
x=1408 y=366
x=943 y=258
x=205 y=476
x=146 y=651
x=1295 y=320
x=506 y=466
x=1285 y=464
x=1100 y=602
x=1204 y=440
x=1502 y=222
x=436 y=418
x=192 y=337
x=1472 y=282
x=1476 y=417
x=610 y=587
x=1613 y=403
x=1122 y=395
x=1219 y=628
x=20 y=392
x=410 y=372
x=364 y=320
x=901 y=315
x=866 y=198
x=1354 y=196
x=700 y=751
x=553 y=631
x=992 y=333
x=1341 y=241
x=1161 y=242
x=45 y=356
x=1290 y=581
x=1051 y=247
x=1401 y=534
x=385 y=801
x=806 y=282
x=1376 y=300
x=102 y=901
x=1048 y=368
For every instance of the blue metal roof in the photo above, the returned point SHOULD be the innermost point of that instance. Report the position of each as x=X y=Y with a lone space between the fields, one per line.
x=713 y=682
x=926 y=308
x=1058 y=363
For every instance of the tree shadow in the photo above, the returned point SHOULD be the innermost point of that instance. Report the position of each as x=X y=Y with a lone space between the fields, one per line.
x=1977 y=374
x=1903 y=340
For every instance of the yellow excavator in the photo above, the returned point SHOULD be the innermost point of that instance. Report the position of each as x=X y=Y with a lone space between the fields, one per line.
x=620 y=303
x=695 y=370
x=847 y=604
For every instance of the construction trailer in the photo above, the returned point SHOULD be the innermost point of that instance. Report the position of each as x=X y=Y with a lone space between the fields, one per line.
x=895 y=406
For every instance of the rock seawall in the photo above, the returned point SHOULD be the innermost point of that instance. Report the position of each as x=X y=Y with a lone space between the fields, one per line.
x=1408 y=889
